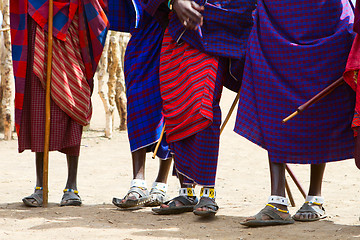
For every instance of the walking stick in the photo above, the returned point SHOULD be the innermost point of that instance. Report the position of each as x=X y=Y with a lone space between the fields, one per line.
x=297 y=183
x=158 y=143
x=230 y=112
x=315 y=99
x=47 y=105
x=288 y=191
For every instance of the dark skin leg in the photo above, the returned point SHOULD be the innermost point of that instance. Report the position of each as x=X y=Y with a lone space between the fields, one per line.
x=357 y=149
x=181 y=180
x=316 y=177
x=164 y=169
x=138 y=161
x=277 y=176
x=72 y=162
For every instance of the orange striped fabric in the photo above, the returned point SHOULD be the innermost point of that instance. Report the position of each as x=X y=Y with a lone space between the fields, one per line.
x=69 y=88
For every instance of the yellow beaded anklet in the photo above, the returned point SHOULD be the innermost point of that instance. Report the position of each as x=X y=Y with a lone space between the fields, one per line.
x=277 y=209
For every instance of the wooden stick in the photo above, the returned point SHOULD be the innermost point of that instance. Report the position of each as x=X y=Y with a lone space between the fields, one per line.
x=297 y=183
x=288 y=191
x=47 y=105
x=230 y=112
x=158 y=143
x=315 y=99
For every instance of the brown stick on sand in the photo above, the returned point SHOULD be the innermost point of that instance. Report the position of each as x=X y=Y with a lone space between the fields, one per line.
x=315 y=99
x=288 y=191
x=47 y=105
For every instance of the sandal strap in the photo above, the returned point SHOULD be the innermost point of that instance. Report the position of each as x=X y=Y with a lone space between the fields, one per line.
x=190 y=192
x=159 y=187
x=37 y=197
x=308 y=208
x=143 y=192
x=185 y=200
x=270 y=212
x=278 y=200
x=208 y=192
x=70 y=190
x=208 y=203
x=315 y=200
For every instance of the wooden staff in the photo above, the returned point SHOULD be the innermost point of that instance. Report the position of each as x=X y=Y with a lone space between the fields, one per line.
x=158 y=143
x=47 y=105
x=230 y=112
x=288 y=191
x=297 y=183
x=315 y=99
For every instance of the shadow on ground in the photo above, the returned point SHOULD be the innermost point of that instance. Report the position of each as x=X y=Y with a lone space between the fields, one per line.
x=186 y=226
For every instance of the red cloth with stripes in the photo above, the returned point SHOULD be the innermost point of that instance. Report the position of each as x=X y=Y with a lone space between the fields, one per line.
x=69 y=87
x=65 y=133
x=187 y=82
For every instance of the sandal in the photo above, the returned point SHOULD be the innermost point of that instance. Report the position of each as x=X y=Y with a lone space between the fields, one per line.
x=35 y=199
x=207 y=200
x=186 y=197
x=137 y=190
x=273 y=213
x=70 y=198
x=157 y=194
x=312 y=205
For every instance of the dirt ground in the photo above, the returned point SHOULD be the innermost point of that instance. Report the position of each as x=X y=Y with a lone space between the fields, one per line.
x=105 y=172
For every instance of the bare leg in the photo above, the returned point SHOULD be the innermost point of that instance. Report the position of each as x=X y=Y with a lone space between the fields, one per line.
x=357 y=149
x=39 y=156
x=35 y=199
x=163 y=170
x=316 y=177
x=183 y=185
x=277 y=176
x=138 y=161
x=72 y=162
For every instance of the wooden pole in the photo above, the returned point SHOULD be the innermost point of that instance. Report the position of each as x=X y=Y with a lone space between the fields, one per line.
x=230 y=112
x=288 y=191
x=158 y=143
x=47 y=105
x=315 y=99
x=297 y=183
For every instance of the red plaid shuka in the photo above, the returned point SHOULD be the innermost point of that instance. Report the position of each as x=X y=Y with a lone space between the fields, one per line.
x=93 y=26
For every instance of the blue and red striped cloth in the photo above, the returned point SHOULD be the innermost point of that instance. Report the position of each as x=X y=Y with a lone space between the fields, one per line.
x=93 y=26
x=141 y=69
x=296 y=49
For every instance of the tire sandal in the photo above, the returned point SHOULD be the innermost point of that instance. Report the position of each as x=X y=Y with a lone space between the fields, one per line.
x=207 y=200
x=35 y=199
x=272 y=212
x=139 y=191
x=70 y=198
x=157 y=194
x=313 y=205
x=186 y=197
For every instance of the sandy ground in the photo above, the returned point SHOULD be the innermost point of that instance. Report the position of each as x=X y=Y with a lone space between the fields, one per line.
x=105 y=172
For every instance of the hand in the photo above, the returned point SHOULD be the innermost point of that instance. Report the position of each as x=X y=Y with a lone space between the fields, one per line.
x=188 y=13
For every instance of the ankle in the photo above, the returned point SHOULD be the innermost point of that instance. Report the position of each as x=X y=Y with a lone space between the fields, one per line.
x=278 y=202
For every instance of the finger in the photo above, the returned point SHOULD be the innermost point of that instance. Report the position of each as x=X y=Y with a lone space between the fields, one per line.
x=193 y=15
x=197 y=6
